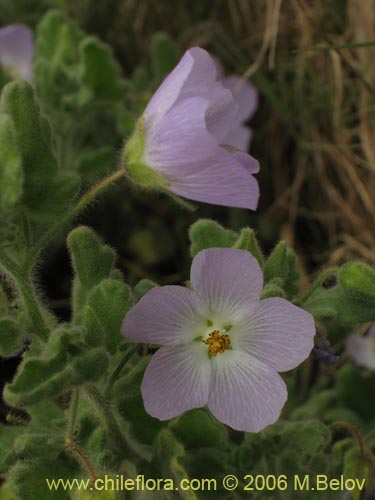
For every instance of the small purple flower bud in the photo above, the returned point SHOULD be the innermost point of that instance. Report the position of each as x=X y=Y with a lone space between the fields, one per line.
x=17 y=51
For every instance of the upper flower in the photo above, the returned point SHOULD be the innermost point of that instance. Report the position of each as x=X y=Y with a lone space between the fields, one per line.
x=186 y=138
x=17 y=51
x=221 y=346
x=362 y=349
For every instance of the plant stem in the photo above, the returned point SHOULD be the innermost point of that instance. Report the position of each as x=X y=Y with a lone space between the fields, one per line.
x=31 y=303
x=69 y=435
x=116 y=372
x=353 y=429
x=72 y=413
x=105 y=414
x=70 y=214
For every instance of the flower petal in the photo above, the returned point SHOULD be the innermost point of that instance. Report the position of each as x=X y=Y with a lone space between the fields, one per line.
x=181 y=140
x=165 y=315
x=277 y=333
x=220 y=180
x=246 y=394
x=194 y=73
x=228 y=281
x=222 y=111
x=247 y=161
x=17 y=50
x=239 y=138
x=177 y=379
x=362 y=350
x=245 y=96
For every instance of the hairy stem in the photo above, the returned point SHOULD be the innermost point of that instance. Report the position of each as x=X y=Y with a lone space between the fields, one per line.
x=116 y=372
x=353 y=429
x=70 y=214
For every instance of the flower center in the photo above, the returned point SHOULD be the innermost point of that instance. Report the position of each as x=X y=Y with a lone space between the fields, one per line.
x=217 y=342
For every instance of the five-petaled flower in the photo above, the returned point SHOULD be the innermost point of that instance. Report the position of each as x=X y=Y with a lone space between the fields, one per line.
x=362 y=349
x=185 y=141
x=221 y=346
x=17 y=51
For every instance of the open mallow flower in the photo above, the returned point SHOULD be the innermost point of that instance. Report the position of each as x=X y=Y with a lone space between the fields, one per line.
x=185 y=141
x=17 y=51
x=362 y=349
x=221 y=346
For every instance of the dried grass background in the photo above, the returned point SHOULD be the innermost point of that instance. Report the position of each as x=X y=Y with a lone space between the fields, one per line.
x=315 y=129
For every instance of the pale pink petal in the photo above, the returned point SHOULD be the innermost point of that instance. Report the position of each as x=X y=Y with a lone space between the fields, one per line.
x=245 y=394
x=247 y=161
x=220 y=180
x=165 y=315
x=362 y=350
x=277 y=333
x=17 y=50
x=177 y=379
x=192 y=76
x=181 y=140
x=239 y=138
x=222 y=111
x=245 y=96
x=228 y=281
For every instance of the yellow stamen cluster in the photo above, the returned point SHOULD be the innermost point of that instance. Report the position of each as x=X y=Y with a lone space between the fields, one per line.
x=217 y=342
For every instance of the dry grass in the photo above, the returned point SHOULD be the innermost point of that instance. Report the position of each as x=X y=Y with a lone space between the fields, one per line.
x=314 y=132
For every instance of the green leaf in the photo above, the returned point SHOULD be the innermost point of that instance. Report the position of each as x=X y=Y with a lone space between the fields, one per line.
x=107 y=304
x=11 y=173
x=10 y=336
x=360 y=467
x=358 y=281
x=197 y=429
x=142 y=287
x=47 y=190
x=355 y=388
x=334 y=303
x=207 y=233
x=247 y=241
x=92 y=262
x=101 y=72
x=282 y=263
x=28 y=479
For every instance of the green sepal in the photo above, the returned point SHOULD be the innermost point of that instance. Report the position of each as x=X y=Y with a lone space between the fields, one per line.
x=358 y=281
x=165 y=54
x=360 y=467
x=11 y=173
x=107 y=304
x=247 y=241
x=207 y=233
x=47 y=190
x=8 y=434
x=10 y=336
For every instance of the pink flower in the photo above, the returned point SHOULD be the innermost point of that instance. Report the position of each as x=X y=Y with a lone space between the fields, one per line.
x=183 y=143
x=362 y=349
x=17 y=51
x=221 y=346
